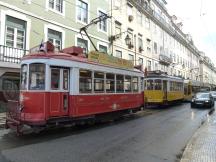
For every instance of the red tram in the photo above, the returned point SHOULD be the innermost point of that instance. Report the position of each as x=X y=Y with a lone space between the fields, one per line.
x=67 y=88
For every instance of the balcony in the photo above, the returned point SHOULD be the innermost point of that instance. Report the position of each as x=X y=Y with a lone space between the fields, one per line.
x=165 y=60
x=11 y=55
x=169 y=27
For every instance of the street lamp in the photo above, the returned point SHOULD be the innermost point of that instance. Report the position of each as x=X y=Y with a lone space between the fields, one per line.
x=128 y=40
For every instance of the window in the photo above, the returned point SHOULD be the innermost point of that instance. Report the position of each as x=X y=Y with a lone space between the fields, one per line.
x=65 y=79
x=158 y=84
x=24 y=70
x=140 y=44
x=171 y=86
x=98 y=82
x=135 y=84
x=110 y=83
x=11 y=85
x=148 y=50
x=56 y=38
x=147 y=23
x=156 y=66
x=118 y=29
x=149 y=65
x=127 y=84
x=85 y=81
x=15 y=32
x=145 y=5
x=103 y=24
x=82 y=11
x=119 y=83
x=36 y=76
x=103 y=48
x=139 y=18
x=118 y=54
x=149 y=85
x=155 y=47
x=140 y=61
x=83 y=44
x=55 y=79
x=56 y=5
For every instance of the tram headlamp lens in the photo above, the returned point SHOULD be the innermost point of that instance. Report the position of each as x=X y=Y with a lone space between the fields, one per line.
x=207 y=101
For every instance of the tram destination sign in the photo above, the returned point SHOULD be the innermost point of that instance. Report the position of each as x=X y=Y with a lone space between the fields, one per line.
x=106 y=59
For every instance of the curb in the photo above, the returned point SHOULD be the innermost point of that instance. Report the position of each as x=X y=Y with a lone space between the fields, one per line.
x=187 y=149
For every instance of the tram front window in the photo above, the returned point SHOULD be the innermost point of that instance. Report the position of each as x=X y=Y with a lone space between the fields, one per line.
x=149 y=84
x=23 y=82
x=37 y=76
x=158 y=84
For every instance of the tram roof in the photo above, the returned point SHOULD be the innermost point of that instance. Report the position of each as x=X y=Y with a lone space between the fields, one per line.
x=162 y=75
x=69 y=57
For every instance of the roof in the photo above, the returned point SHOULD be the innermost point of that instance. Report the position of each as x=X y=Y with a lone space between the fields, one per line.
x=69 y=57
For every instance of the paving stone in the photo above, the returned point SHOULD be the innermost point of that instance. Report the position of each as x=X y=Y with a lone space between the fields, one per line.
x=201 y=147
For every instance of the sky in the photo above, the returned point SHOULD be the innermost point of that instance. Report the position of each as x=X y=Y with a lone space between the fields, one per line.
x=199 y=20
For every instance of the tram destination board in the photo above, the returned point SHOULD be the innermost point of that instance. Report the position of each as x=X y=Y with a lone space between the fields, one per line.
x=106 y=59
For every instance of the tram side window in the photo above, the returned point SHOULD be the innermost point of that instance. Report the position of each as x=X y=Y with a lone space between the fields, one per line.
x=37 y=76
x=55 y=79
x=98 y=82
x=65 y=79
x=149 y=84
x=158 y=84
x=110 y=83
x=181 y=86
x=23 y=82
x=85 y=85
x=119 y=83
x=135 y=84
x=171 y=86
x=127 y=83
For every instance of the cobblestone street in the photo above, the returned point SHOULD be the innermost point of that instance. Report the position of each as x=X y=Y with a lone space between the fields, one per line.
x=202 y=148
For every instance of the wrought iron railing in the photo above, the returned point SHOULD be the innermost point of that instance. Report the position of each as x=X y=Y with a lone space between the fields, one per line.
x=165 y=59
x=13 y=55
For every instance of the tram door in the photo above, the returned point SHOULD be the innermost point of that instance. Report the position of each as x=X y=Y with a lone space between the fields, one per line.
x=59 y=91
x=165 y=89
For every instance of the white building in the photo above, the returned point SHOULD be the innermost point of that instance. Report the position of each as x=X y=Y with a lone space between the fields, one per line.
x=156 y=39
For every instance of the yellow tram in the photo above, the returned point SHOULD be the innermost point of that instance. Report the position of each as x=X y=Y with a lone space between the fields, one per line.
x=162 y=89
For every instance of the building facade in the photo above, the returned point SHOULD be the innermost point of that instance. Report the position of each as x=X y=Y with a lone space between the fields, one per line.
x=24 y=24
x=157 y=41
x=139 y=30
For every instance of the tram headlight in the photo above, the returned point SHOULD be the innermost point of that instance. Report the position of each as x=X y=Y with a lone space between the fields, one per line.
x=207 y=101
x=192 y=100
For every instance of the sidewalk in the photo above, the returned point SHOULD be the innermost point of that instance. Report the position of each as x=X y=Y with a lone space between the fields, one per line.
x=2 y=119
x=202 y=146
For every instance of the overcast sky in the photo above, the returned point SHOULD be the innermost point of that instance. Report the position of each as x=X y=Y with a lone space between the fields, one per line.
x=199 y=19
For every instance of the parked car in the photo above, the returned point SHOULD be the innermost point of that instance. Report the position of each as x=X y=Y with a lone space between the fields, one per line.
x=213 y=93
x=202 y=99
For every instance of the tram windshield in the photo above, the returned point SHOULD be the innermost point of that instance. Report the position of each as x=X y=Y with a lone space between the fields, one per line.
x=37 y=76
x=158 y=84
